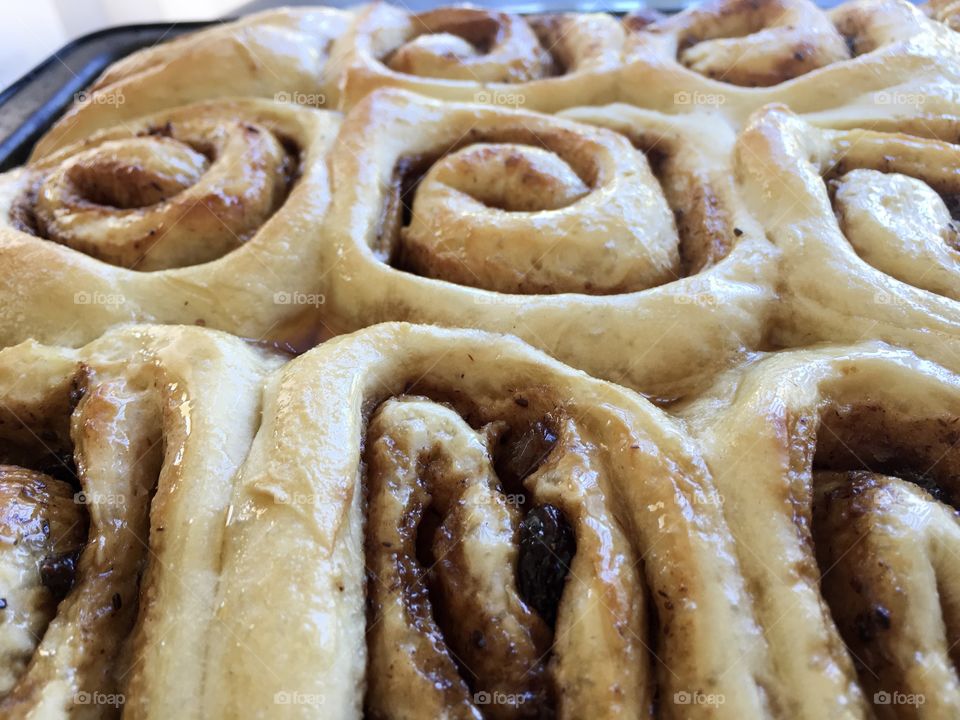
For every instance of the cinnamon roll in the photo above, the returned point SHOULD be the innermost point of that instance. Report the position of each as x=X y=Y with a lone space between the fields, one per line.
x=553 y=230
x=535 y=541
x=277 y=55
x=117 y=462
x=731 y=57
x=866 y=224
x=207 y=214
x=838 y=473
x=472 y=54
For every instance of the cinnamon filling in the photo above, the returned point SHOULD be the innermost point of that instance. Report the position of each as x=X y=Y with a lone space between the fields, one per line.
x=410 y=170
x=471 y=535
x=74 y=523
x=885 y=492
x=473 y=44
x=163 y=198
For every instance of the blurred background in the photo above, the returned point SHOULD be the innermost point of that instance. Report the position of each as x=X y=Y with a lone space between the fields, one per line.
x=32 y=29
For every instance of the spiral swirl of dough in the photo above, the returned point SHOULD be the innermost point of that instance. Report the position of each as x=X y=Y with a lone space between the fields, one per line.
x=543 y=62
x=838 y=473
x=901 y=226
x=413 y=422
x=754 y=44
x=866 y=223
x=182 y=194
x=463 y=214
x=469 y=43
x=207 y=214
x=732 y=57
x=530 y=207
x=116 y=466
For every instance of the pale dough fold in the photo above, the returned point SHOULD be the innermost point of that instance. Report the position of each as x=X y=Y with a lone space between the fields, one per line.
x=849 y=271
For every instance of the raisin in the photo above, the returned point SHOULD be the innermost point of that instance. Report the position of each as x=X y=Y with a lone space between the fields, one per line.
x=58 y=572
x=547 y=547
x=952 y=202
x=519 y=456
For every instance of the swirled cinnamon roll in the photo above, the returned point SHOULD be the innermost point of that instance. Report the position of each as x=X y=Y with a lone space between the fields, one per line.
x=867 y=224
x=277 y=55
x=553 y=230
x=477 y=55
x=208 y=214
x=838 y=471
x=117 y=464
x=732 y=57
x=535 y=543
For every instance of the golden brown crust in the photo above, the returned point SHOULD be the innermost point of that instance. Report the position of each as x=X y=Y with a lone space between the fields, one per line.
x=418 y=521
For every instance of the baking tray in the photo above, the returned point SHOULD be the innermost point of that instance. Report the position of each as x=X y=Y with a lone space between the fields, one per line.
x=31 y=105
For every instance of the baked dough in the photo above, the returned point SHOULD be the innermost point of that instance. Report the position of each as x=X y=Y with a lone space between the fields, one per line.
x=472 y=54
x=867 y=237
x=208 y=214
x=946 y=11
x=277 y=55
x=138 y=436
x=732 y=57
x=419 y=416
x=552 y=230
x=838 y=468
